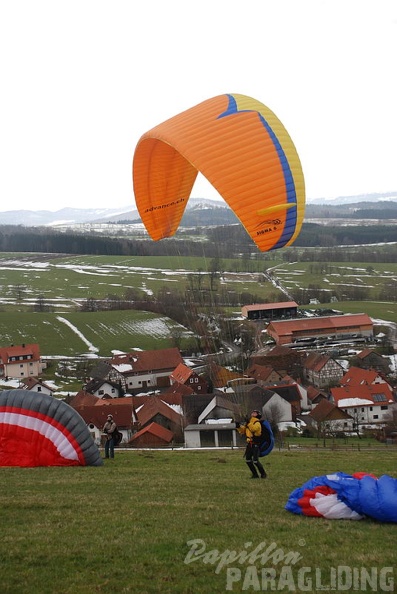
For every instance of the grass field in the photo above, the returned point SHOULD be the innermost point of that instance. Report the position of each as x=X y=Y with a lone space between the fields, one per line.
x=98 y=332
x=126 y=526
x=65 y=282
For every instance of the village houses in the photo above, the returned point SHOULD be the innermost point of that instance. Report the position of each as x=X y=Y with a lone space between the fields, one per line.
x=19 y=361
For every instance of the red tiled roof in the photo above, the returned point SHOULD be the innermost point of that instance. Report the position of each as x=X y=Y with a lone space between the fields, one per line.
x=176 y=391
x=261 y=372
x=365 y=352
x=154 y=429
x=356 y=376
x=328 y=324
x=181 y=373
x=6 y=353
x=140 y=361
x=316 y=361
x=114 y=402
x=97 y=414
x=377 y=394
x=314 y=393
x=83 y=398
x=155 y=406
x=31 y=382
x=326 y=411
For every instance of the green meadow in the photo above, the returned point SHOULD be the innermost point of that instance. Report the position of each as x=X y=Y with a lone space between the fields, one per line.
x=64 y=283
x=105 y=331
x=171 y=522
x=75 y=278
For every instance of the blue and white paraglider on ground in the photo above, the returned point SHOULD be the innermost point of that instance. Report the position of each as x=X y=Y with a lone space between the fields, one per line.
x=344 y=496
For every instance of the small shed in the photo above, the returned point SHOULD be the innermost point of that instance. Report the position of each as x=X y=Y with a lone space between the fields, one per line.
x=152 y=436
x=212 y=435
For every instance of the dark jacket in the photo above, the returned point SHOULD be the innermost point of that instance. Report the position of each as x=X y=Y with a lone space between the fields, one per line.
x=109 y=428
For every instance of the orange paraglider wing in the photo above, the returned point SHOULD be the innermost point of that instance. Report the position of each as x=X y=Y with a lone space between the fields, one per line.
x=242 y=149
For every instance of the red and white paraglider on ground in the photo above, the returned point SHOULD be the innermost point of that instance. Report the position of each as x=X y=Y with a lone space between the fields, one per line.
x=39 y=430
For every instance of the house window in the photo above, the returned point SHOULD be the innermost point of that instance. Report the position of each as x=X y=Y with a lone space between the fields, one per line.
x=371 y=408
x=362 y=410
x=101 y=392
x=376 y=416
x=21 y=365
x=39 y=388
x=384 y=408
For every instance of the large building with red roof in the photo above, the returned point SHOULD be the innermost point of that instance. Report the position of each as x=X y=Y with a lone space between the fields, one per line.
x=289 y=331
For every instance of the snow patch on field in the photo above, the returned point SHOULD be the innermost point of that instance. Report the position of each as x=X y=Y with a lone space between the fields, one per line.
x=91 y=347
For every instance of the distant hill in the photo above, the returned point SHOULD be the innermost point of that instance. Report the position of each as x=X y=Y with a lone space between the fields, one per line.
x=33 y=218
x=385 y=209
x=198 y=211
x=205 y=212
x=374 y=197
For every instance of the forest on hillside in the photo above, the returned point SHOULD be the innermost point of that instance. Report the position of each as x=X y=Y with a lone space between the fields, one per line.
x=225 y=241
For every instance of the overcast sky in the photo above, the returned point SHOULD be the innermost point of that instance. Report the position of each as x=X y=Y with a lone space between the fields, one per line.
x=82 y=80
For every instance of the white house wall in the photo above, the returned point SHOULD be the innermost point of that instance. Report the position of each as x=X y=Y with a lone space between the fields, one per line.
x=364 y=415
x=283 y=408
x=106 y=389
x=20 y=369
x=136 y=382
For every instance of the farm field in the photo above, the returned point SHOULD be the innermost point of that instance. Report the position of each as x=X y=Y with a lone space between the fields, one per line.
x=64 y=283
x=157 y=522
x=89 y=334
x=333 y=275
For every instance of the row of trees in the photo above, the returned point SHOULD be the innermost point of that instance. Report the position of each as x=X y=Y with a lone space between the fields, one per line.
x=228 y=241
x=367 y=254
